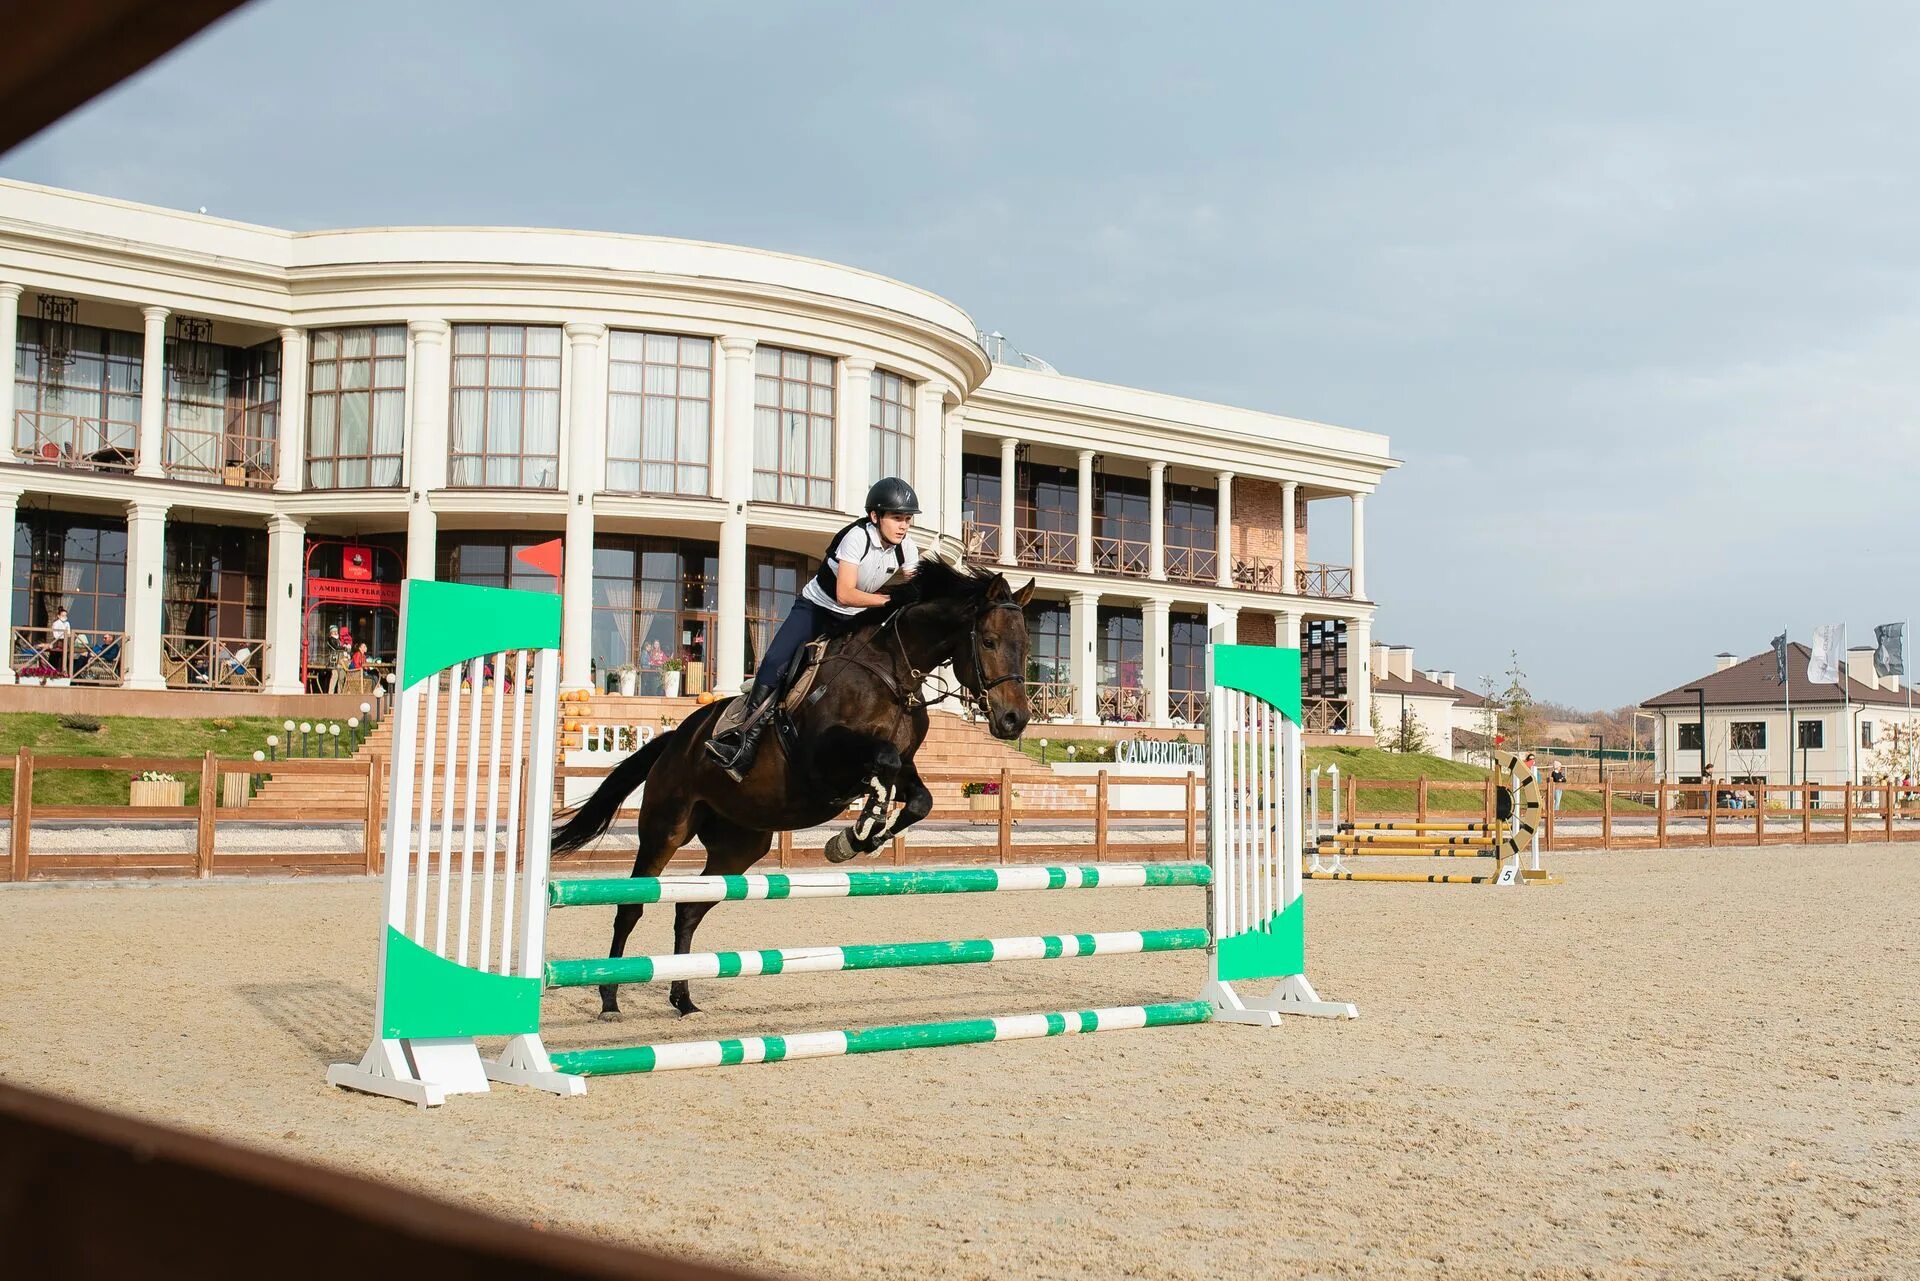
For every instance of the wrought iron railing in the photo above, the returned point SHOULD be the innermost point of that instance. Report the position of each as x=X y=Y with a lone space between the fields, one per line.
x=1192 y=564
x=75 y=657
x=1046 y=548
x=1124 y=556
x=1121 y=703
x=213 y=662
x=80 y=444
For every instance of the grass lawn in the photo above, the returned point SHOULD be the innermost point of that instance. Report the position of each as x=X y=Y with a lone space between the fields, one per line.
x=235 y=737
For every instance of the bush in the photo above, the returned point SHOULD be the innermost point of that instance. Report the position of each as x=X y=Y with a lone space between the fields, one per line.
x=80 y=723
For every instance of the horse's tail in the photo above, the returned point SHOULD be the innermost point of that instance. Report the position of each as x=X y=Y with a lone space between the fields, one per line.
x=596 y=813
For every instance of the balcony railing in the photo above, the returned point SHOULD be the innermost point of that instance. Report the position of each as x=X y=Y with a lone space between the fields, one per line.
x=213 y=662
x=1121 y=703
x=1324 y=715
x=80 y=444
x=76 y=658
x=1046 y=548
x=1192 y=564
x=1187 y=706
x=1052 y=700
x=1261 y=574
x=220 y=458
x=980 y=542
x=1123 y=556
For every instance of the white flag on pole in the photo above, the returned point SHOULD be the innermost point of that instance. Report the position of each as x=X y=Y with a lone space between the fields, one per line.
x=1823 y=666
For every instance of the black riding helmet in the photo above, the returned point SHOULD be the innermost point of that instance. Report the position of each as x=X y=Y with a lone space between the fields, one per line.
x=891 y=496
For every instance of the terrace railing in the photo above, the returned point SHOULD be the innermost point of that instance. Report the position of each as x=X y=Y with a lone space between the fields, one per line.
x=77 y=658
x=78 y=444
x=1046 y=548
x=1192 y=564
x=213 y=662
x=1127 y=557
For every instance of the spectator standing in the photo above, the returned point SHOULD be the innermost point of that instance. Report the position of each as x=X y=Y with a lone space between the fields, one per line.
x=63 y=641
x=1559 y=777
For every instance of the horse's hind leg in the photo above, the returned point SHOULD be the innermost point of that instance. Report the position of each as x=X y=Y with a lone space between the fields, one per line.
x=731 y=850
x=662 y=833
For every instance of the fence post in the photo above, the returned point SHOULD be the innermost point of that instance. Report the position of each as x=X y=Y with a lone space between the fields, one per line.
x=786 y=848
x=1100 y=800
x=1806 y=813
x=203 y=830
x=1713 y=808
x=899 y=844
x=1006 y=814
x=1662 y=798
x=1193 y=823
x=22 y=812
x=1759 y=813
x=1492 y=814
x=1886 y=808
x=1846 y=813
x=1606 y=816
x=375 y=861
x=1420 y=800
x=1546 y=831
x=1353 y=798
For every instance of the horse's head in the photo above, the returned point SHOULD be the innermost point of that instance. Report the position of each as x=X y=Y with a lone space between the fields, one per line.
x=982 y=626
x=993 y=665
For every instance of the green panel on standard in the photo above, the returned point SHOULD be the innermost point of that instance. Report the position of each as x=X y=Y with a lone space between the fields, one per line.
x=429 y=996
x=1269 y=674
x=448 y=623
x=1274 y=951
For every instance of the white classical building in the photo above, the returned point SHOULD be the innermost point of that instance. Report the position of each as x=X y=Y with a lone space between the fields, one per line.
x=230 y=441
x=1431 y=703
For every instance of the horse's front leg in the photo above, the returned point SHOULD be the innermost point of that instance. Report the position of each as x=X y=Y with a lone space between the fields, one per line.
x=878 y=821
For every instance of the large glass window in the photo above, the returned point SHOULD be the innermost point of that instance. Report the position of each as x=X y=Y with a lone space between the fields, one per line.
x=1121 y=651
x=1193 y=527
x=653 y=592
x=493 y=560
x=75 y=563
x=890 y=446
x=356 y=407
x=506 y=407
x=1187 y=666
x=1047 y=515
x=223 y=419
x=980 y=504
x=1123 y=530
x=1050 y=659
x=774 y=578
x=216 y=581
x=83 y=411
x=792 y=428
x=659 y=413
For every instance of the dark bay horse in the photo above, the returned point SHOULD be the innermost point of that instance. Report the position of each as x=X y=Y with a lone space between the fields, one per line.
x=854 y=737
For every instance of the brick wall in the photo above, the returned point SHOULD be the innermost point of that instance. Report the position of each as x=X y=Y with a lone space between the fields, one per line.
x=1257 y=525
x=1256 y=629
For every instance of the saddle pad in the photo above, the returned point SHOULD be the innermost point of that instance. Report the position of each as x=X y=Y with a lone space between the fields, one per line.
x=735 y=710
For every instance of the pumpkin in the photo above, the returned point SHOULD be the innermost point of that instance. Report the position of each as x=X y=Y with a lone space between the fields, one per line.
x=706 y=696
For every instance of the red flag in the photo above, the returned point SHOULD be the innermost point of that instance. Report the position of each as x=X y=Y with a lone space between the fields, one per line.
x=544 y=557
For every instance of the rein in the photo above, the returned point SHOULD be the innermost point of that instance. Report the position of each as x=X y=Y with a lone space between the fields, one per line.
x=911 y=698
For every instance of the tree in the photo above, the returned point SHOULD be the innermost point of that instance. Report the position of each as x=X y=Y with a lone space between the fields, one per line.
x=1518 y=719
x=1409 y=735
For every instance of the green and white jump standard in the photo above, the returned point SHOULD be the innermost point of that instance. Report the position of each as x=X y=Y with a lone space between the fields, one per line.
x=433 y=1003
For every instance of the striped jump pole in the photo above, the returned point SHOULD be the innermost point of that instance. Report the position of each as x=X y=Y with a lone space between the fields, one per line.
x=784 y=885
x=1404 y=878
x=1438 y=851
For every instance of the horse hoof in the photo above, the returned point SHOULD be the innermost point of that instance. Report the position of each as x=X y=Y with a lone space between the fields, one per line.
x=610 y=1016
x=840 y=849
x=688 y=1011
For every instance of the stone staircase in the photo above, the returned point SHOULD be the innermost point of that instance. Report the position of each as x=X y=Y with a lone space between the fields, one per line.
x=953 y=746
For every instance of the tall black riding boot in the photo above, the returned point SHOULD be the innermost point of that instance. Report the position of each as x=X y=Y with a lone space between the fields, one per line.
x=734 y=752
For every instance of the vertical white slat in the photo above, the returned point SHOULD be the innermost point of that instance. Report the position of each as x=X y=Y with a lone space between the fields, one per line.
x=1216 y=801
x=1257 y=803
x=399 y=832
x=424 y=873
x=450 y=772
x=476 y=680
x=507 y=904
x=485 y=953
x=1291 y=877
x=1257 y=874
x=539 y=811
x=1237 y=819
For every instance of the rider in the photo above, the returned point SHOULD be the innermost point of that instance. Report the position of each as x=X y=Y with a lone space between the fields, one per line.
x=860 y=559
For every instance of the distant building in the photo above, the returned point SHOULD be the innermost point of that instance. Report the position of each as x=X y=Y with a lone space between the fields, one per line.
x=1842 y=733
x=1431 y=699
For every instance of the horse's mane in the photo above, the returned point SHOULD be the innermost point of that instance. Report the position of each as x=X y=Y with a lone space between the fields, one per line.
x=934 y=580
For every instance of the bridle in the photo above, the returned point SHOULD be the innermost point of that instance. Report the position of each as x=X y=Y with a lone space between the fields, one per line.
x=911 y=697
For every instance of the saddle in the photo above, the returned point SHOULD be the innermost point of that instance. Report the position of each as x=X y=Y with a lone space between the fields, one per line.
x=794 y=686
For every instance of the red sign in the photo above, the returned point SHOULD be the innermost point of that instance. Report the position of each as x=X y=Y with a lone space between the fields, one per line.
x=356 y=562
x=339 y=591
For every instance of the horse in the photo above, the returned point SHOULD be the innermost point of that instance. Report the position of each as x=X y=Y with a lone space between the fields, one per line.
x=853 y=737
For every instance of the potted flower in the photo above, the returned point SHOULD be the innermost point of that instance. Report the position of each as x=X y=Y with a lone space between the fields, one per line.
x=155 y=788
x=629 y=678
x=670 y=670
x=983 y=799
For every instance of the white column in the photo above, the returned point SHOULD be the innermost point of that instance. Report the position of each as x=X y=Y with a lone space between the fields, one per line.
x=952 y=446
x=1009 y=491
x=1286 y=629
x=1223 y=537
x=153 y=397
x=1083 y=541
x=586 y=471
x=852 y=446
x=1083 y=621
x=1155 y=635
x=1360 y=547
x=1157 y=521
x=146 y=567
x=926 y=477
x=1360 y=676
x=9 y=513
x=286 y=565
x=730 y=631
x=9 y=339
x=1289 y=558
x=292 y=458
x=427 y=449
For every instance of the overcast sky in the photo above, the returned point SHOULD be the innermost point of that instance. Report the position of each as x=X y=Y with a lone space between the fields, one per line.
x=1630 y=286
